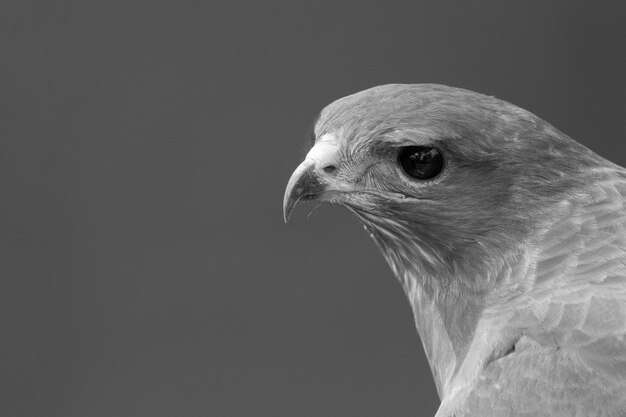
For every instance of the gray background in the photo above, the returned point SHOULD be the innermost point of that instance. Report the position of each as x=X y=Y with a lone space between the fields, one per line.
x=144 y=149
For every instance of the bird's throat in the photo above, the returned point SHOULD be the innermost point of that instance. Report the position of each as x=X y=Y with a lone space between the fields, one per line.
x=446 y=312
x=449 y=287
x=446 y=324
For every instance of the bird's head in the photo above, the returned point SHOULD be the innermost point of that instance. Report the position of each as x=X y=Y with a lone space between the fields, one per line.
x=447 y=181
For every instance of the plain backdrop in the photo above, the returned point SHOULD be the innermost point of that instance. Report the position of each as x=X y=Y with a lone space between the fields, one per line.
x=144 y=149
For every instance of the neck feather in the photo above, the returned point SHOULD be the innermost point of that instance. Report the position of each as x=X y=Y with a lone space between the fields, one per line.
x=446 y=300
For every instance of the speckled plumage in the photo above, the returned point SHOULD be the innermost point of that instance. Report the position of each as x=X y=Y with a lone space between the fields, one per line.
x=513 y=258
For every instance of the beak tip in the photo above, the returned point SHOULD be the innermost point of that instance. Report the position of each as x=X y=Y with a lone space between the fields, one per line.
x=303 y=182
x=286 y=215
x=289 y=203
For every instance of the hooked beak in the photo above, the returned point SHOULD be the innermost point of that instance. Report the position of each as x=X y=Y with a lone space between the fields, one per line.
x=314 y=175
x=304 y=184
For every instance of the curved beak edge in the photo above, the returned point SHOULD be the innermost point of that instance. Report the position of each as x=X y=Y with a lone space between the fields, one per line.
x=304 y=184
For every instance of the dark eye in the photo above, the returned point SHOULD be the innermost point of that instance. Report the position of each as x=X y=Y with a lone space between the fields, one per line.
x=421 y=162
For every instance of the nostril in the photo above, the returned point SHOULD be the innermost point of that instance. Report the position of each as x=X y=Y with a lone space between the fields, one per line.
x=329 y=169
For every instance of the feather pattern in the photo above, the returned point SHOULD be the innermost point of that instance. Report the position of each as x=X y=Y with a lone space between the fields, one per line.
x=571 y=358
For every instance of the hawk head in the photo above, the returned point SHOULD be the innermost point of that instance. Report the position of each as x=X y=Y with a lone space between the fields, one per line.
x=448 y=182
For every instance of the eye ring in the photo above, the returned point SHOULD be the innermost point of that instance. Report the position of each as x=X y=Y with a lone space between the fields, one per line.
x=421 y=162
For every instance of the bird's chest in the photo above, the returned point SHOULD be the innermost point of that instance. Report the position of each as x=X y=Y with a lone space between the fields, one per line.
x=535 y=381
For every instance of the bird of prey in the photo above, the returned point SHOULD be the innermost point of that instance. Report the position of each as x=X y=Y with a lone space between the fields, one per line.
x=507 y=236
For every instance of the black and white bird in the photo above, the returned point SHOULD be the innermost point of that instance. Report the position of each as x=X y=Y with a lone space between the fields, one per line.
x=508 y=237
